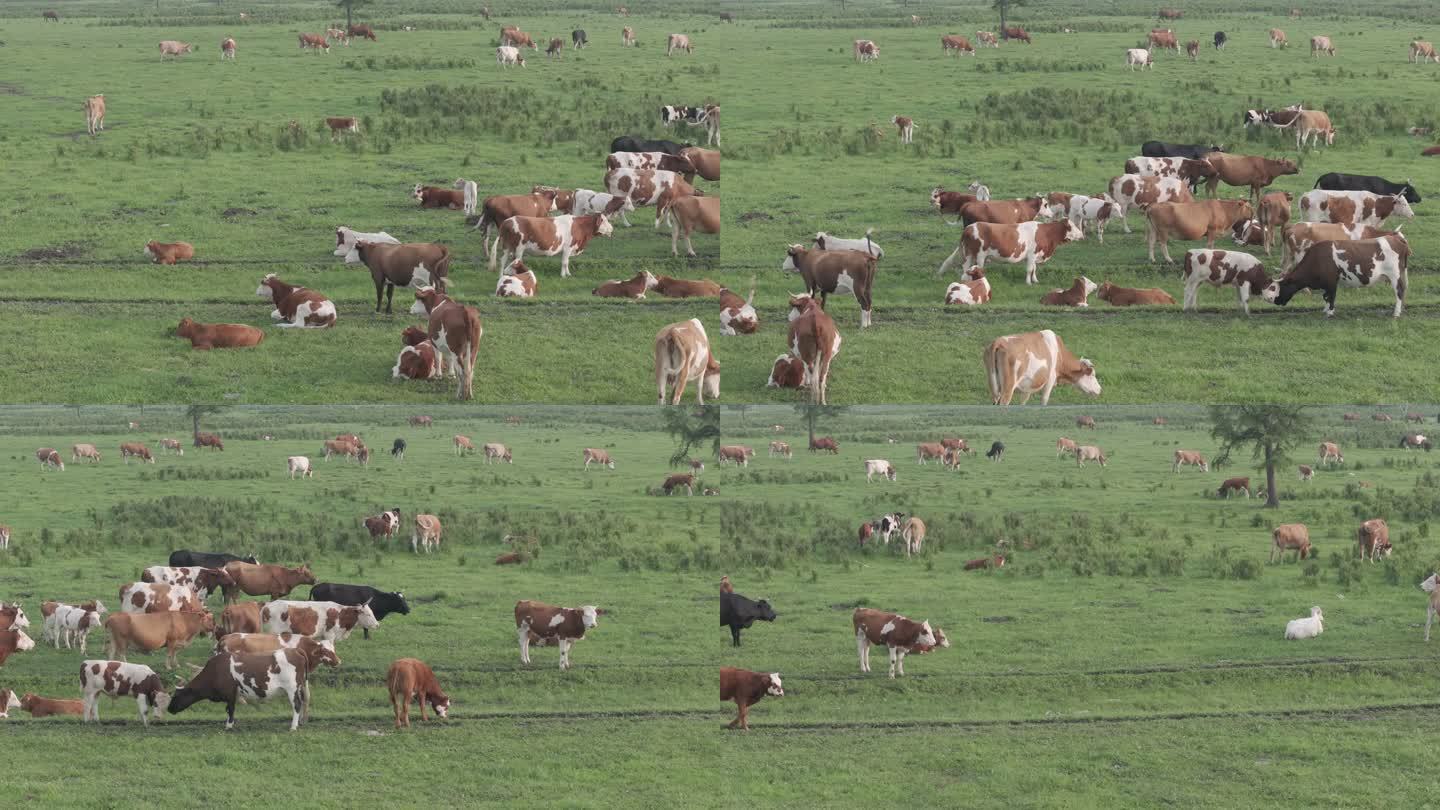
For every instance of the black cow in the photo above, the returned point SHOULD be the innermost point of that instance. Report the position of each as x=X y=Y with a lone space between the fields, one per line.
x=726 y=16
x=738 y=613
x=1159 y=149
x=205 y=559
x=1220 y=40
x=629 y=143
x=577 y=38
x=397 y=451
x=1335 y=181
x=996 y=451
x=382 y=603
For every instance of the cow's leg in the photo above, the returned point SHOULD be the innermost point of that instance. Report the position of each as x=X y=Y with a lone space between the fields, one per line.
x=1030 y=274
x=1329 y=294
x=564 y=263
x=389 y=297
x=862 y=649
x=142 y=703
x=893 y=661
x=945 y=265
x=565 y=653
x=297 y=707
x=1243 y=291
x=1400 y=284
x=1429 y=619
x=524 y=633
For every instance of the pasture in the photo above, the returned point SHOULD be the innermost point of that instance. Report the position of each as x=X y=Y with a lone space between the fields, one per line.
x=236 y=159
x=812 y=141
x=1129 y=654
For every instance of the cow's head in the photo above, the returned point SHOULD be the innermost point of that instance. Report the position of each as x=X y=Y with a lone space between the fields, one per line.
x=1402 y=208
x=265 y=290
x=413 y=336
x=426 y=299
x=419 y=192
x=926 y=637
x=800 y=303
x=305 y=577
x=1409 y=192
x=1086 y=380
x=793 y=255
x=1255 y=117
x=152 y=248
x=603 y=225
x=589 y=614
x=23 y=643
x=763 y=611
x=935 y=196
x=772 y=685
x=1073 y=231
x=980 y=190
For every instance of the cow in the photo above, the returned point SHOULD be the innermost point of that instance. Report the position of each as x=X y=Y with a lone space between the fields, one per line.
x=1160 y=149
x=1379 y=186
x=171 y=446
x=1017 y=33
x=205 y=559
x=1192 y=220
x=240 y=617
x=315 y=42
x=1030 y=242
x=627 y=37
x=1033 y=362
x=49 y=457
x=204 y=581
x=1307 y=472
x=1171 y=14
x=381 y=603
x=207 y=336
x=1319 y=45
x=537 y=622
x=173 y=630
x=1382 y=417
x=689 y=214
x=678 y=42
x=1163 y=39
x=682 y=351
x=1073 y=296
x=899 y=634
x=834 y=271
x=1064 y=447
x=496 y=209
x=987 y=39
x=340 y=125
x=1133 y=190
x=880 y=467
x=629 y=143
x=788 y=371
x=906 y=127
x=159 y=597
x=739 y=613
x=1415 y=441
x=671 y=287
x=672 y=114
x=495 y=452
x=12 y=641
x=433 y=197
x=556 y=49
x=455 y=330
x=362 y=31
x=506 y=55
x=347 y=238
x=1219 y=40
x=913 y=533
x=418 y=360
x=298 y=465
x=928 y=450
x=1222 y=268
x=426 y=533
x=1192 y=50
x=563 y=236
x=1242 y=170
x=1373 y=537
x=1330 y=453
x=275 y=581
x=738 y=454
x=12 y=617
x=1279 y=119
x=118 y=679
x=1277 y=39
x=232 y=677
x=322 y=621
x=953 y=202
x=1417 y=418
x=1352 y=207
x=1089 y=452
x=648 y=187
x=651 y=161
x=747 y=688
x=516 y=281
x=339 y=35
x=1190 y=170
x=1422 y=51
x=1300 y=237
x=1130 y=296
x=706 y=162
x=578 y=39
x=599 y=457
x=1004 y=212
x=39 y=707
x=341 y=447
x=1190 y=458
x=973 y=288
x=47 y=16
x=956 y=45
x=1085 y=422
x=168 y=252
x=510 y=35
x=1347 y=262
x=1084 y=210
x=411 y=680
x=129 y=450
x=1311 y=125
x=1288 y=536
x=87 y=452
x=296 y=306
x=633 y=288
x=227 y=49
x=1274 y=213
x=385 y=524
x=677 y=481
x=94 y=114
x=173 y=48
x=813 y=338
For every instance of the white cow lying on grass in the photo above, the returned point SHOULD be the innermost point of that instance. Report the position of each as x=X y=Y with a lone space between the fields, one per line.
x=825 y=241
x=346 y=239
x=1308 y=627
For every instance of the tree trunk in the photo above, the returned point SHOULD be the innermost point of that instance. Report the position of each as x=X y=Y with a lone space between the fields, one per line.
x=347 y=17
x=1004 y=13
x=195 y=421
x=1272 y=499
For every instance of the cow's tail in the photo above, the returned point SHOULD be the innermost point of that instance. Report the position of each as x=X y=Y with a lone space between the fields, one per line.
x=992 y=371
x=1317 y=184
x=470 y=350
x=441 y=273
x=750 y=302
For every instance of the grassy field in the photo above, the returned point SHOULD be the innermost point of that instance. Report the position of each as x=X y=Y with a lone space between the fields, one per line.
x=1130 y=654
x=200 y=151
x=812 y=141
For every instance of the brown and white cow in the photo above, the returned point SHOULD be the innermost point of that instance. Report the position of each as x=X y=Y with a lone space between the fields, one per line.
x=204 y=581
x=322 y=621
x=1422 y=51
x=651 y=161
x=316 y=42
x=1350 y=263
x=455 y=330
x=129 y=450
x=600 y=457
x=495 y=210
x=1030 y=242
x=169 y=252
x=1033 y=362
x=340 y=125
x=1277 y=39
x=227 y=49
x=1353 y=207
x=972 y=289
x=1223 y=268
x=173 y=48
x=1137 y=191
x=1290 y=536
x=171 y=446
x=899 y=634
x=1373 y=537
x=262 y=579
x=516 y=281
x=1073 y=296
x=12 y=617
x=50 y=457
x=296 y=306
x=1065 y=447
x=539 y=623
x=1300 y=237
x=1164 y=38
x=426 y=534
x=1245 y=170
x=778 y=448
x=562 y=236
x=1416 y=441
x=13 y=641
x=418 y=359
x=172 y=630
x=813 y=338
x=677 y=481
x=834 y=271
x=385 y=524
x=495 y=452
x=1089 y=452
x=1004 y=212
x=956 y=45
x=633 y=288
x=434 y=197
x=645 y=187
x=95 y=114
x=788 y=371
x=159 y=597
x=1117 y=296
x=118 y=679
x=746 y=688
x=411 y=680
x=678 y=42
x=736 y=454
x=1319 y=45
x=682 y=351
x=87 y=452
x=1087 y=212
x=1231 y=486
x=231 y=677
x=1205 y=219
x=1191 y=171
x=1307 y=472
x=1191 y=458
x=627 y=37
x=1330 y=453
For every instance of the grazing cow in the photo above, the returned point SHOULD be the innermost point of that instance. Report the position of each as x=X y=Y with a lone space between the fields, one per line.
x=556 y=49
x=316 y=42
x=230 y=677
x=1352 y=207
x=1382 y=417
x=1017 y=33
x=411 y=680
x=690 y=214
x=227 y=49
x=1083 y=422
x=1277 y=39
x=205 y=559
x=1192 y=50
x=1288 y=536
x=50 y=457
x=578 y=39
x=1035 y=361
x=296 y=306
x=633 y=288
x=929 y=450
x=159 y=597
x=48 y=16
x=497 y=452
x=510 y=35
x=1373 y=537
x=682 y=351
x=241 y=617
x=1095 y=212
x=778 y=448
x=1030 y=242
x=1004 y=212
x=1133 y=190
x=537 y=622
x=1335 y=181
x=1415 y=441
x=207 y=336
x=1163 y=39
x=339 y=35
x=600 y=457
x=95 y=114
x=84 y=451
x=169 y=252
x=173 y=48
x=341 y=447
x=1131 y=296
x=1074 y=296
x=880 y=467
x=1422 y=51
x=673 y=482
x=204 y=581
x=562 y=236
x=678 y=42
x=1412 y=416
x=987 y=39
x=171 y=446
x=275 y=581
x=1306 y=472
x=825 y=443
x=455 y=330
x=173 y=630
x=1330 y=453
x=747 y=688
x=899 y=634
x=506 y=55
x=1189 y=458
x=322 y=621
x=1192 y=220
x=834 y=271
x=864 y=50
x=1319 y=45
x=416 y=264
x=1221 y=268
x=384 y=524
x=956 y=45
x=738 y=454
x=118 y=679
x=130 y=450
x=1242 y=170
x=913 y=534
x=813 y=338
x=1309 y=627
x=1089 y=452
x=434 y=197
x=362 y=31
x=1064 y=447
x=1347 y=262
x=426 y=533
x=973 y=288
x=739 y=613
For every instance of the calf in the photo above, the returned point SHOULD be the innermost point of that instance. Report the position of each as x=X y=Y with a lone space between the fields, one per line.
x=1309 y=627
x=1274 y=213
x=834 y=271
x=95 y=114
x=973 y=288
x=1131 y=296
x=813 y=338
x=1030 y=242
x=1094 y=212
x=1033 y=362
x=1192 y=220
x=118 y=679
x=169 y=253
x=1222 y=268
x=537 y=622
x=1307 y=472
x=384 y=524
x=296 y=306
x=914 y=536
x=1373 y=537
x=634 y=289
x=685 y=288
x=1074 y=296
x=1330 y=453
x=173 y=630
x=418 y=359
x=455 y=330
x=746 y=688
x=677 y=481
x=1143 y=57
x=1347 y=262
x=1288 y=536
x=788 y=371
x=39 y=707
x=682 y=351
x=899 y=634
x=411 y=680
x=1422 y=51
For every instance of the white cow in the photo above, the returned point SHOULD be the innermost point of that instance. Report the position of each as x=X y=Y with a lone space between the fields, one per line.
x=1309 y=627
x=472 y=194
x=507 y=55
x=74 y=625
x=299 y=465
x=1082 y=210
x=597 y=202
x=879 y=466
x=1139 y=56
x=346 y=239
x=825 y=241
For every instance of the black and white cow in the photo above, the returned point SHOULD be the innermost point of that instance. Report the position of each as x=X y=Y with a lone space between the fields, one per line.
x=1335 y=181
x=577 y=38
x=674 y=114
x=738 y=613
x=397 y=450
x=996 y=451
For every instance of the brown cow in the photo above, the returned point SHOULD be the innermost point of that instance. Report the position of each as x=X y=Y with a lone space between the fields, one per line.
x=1003 y=212
x=50 y=457
x=951 y=43
x=834 y=271
x=705 y=161
x=169 y=252
x=456 y=331
x=240 y=617
x=1131 y=296
x=825 y=443
x=1289 y=536
x=746 y=688
x=985 y=563
x=564 y=236
x=150 y=631
x=682 y=351
x=495 y=210
x=433 y=197
x=46 y=707
x=1193 y=220
x=634 y=288
x=1243 y=170
x=1164 y=39
x=815 y=341
x=136 y=450
x=316 y=42
x=261 y=579
x=510 y=35
x=678 y=480
x=1232 y=485
x=683 y=288
x=416 y=264
x=951 y=202
x=412 y=680
x=1373 y=537
x=206 y=336
x=1273 y=213
x=173 y=48
x=1017 y=33
x=1074 y=296
x=362 y=31
x=689 y=214
x=95 y=114
x=340 y=125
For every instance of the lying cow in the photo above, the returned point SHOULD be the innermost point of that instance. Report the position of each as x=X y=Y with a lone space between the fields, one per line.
x=169 y=253
x=295 y=306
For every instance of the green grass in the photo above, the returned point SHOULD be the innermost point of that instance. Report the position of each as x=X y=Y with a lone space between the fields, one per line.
x=1075 y=677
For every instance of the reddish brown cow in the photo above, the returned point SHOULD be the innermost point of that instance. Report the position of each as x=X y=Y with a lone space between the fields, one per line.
x=342 y=124
x=362 y=31
x=412 y=680
x=1073 y=296
x=1131 y=296
x=169 y=252
x=998 y=561
x=46 y=707
x=1003 y=212
x=813 y=337
x=296 y=306
x=206 y=336
x=952 y=44
x=1243 y=170
x=209 y=440
x=260 y=579
x=746 y=688
x=1017 y=33
x=433 y=197
x=136 y=450
x=495 y=210
x=825 y=443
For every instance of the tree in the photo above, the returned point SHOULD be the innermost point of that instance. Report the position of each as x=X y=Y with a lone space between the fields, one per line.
x=1270 y=431
x=196 y=412
x=692 y=428
x=811 y=412
x=1004 y=6
x=350 y=6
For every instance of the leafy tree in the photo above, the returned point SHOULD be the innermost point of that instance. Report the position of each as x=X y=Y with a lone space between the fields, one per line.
x=350 y=6
x=196 y=412
x=812 y=412
x=1004 y=6
x=1270 y=431
x=692 y=427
